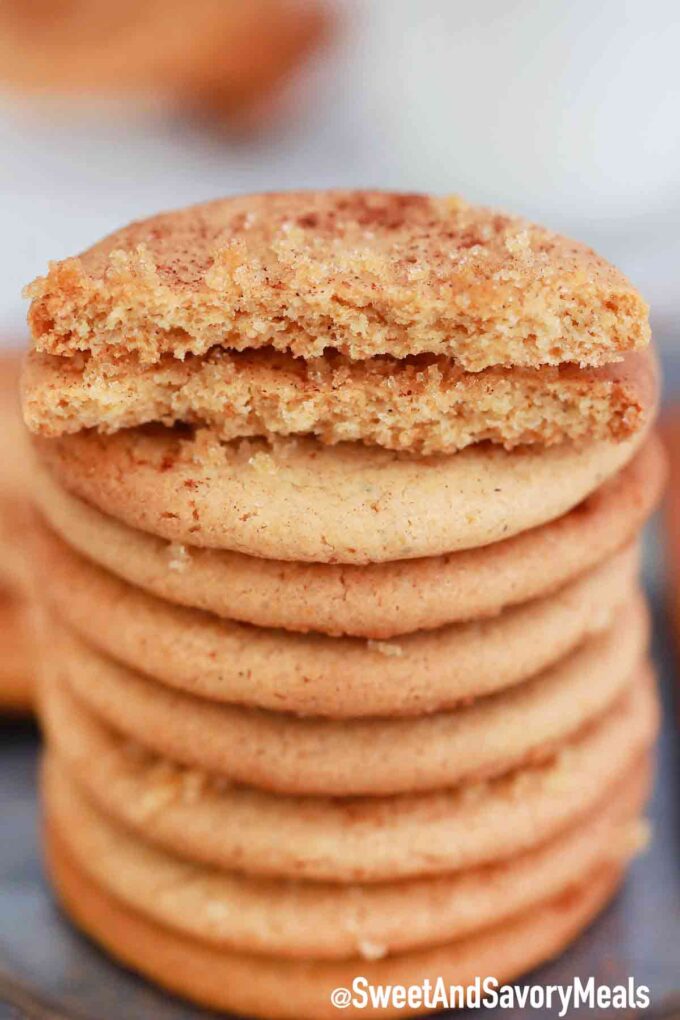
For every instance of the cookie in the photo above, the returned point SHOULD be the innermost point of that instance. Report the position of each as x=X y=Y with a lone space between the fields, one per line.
x=300 y=500
x=14 y=478
x=283 y=753
x=316 y=920
x=16 y=665
x=16 y=680
x=13 y=464
x=426 y=406
x=376 y=600
x=319 y=675
x=209 y=821
x=670 y=536
x=300 y=990
x=362 y=272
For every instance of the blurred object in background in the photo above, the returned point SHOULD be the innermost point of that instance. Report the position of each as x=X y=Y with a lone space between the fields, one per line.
x=229 y=59
x=15 y=523
x=670 y=433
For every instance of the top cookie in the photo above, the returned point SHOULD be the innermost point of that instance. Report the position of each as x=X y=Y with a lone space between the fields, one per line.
x=360 y=272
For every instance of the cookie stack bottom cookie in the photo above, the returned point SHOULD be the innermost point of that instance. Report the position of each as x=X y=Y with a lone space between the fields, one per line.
x=266 y=777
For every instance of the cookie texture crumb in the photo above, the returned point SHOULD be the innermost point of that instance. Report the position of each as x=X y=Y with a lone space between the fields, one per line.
x=389 y=648
x=371 y=951
x=178 y=557
x=426 y=404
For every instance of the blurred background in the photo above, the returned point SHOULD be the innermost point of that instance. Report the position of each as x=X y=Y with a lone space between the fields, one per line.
x=566 y=111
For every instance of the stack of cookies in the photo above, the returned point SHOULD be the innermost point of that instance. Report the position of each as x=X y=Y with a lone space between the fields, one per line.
x=347 y=669
x=15 y=576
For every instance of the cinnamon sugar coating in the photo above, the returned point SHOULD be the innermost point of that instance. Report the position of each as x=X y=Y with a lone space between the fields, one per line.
x=361 y=272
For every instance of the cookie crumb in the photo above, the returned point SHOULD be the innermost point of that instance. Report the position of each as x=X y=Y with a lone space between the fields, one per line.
x=178 y=557
x=371 y=950
x=518 y=243
x=636 y=837
x=385 y=647
x=162 y=789
x=263 y=463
